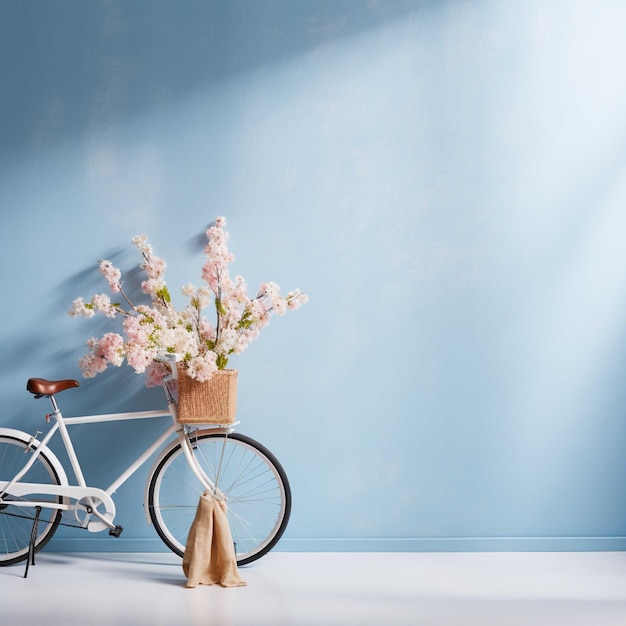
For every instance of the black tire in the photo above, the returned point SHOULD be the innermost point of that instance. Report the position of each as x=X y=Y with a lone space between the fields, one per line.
x=252 y=480
x=16 y=522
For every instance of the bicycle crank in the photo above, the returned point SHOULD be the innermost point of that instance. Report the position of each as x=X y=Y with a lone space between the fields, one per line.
x=91 y=513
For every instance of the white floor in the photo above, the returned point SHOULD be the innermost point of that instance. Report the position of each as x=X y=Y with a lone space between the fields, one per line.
x=323 y=589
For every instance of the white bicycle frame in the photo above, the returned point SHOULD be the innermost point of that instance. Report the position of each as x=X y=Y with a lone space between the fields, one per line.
x=87 y=499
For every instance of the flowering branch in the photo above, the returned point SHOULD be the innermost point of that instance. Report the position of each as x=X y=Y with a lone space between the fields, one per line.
x=150 y=330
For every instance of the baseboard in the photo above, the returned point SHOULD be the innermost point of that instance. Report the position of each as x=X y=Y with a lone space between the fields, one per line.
x=443 y=544
x=458 y=544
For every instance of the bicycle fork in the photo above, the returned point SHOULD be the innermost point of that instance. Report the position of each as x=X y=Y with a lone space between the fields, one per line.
x=188 y=449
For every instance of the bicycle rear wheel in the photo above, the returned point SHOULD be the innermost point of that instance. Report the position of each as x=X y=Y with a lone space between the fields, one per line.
x=16 y=521
x=250 y=477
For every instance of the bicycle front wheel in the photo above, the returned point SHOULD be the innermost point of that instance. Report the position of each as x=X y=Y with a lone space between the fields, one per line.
x=16 y=520
x=254 y=483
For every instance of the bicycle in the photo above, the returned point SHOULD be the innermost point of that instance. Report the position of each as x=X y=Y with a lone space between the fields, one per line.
x=36 y=495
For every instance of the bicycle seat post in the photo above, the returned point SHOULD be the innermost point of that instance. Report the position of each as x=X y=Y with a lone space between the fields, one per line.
x=55 y=408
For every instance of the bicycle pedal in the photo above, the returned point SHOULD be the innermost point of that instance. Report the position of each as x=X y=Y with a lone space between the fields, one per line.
x=116 y=532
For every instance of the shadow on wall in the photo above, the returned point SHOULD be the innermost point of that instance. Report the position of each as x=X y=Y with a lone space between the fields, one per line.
x=38 y=354
x=102 y=391
x=86 y=65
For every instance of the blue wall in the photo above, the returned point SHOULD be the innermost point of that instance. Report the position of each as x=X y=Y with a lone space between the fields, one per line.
x=446 y=180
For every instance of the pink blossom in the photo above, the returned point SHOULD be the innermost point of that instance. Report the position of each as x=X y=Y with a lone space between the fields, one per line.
x=152 y=286
x=280 y=306
x=188 y=290
x=102 y=303
x=91 y=365
x=206 y=330
x=112 y=275
x=269 y=290
x=155 y=373
x=136 y=332
x=154 y=267
x=111 y=348
x=203 y=367
x=139 y=357
x=141 y=241
x=80 y=309
x=204 y=297
x=295 y=299
x=108 y=349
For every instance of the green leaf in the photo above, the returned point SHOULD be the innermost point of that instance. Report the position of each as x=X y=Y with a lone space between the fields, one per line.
x=219 y=307
x=164 y=294
x=245 y=321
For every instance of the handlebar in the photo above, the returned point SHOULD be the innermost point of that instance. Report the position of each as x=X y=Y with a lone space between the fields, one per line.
x=170 y=359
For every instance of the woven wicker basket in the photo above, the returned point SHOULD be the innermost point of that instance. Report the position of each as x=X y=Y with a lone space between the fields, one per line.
x=210 y=402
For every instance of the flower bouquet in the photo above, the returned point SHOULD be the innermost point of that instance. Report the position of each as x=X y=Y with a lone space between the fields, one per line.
x=150 y=330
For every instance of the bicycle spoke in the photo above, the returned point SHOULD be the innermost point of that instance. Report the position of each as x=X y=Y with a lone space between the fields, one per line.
x=17 y=517
x=255 y=487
